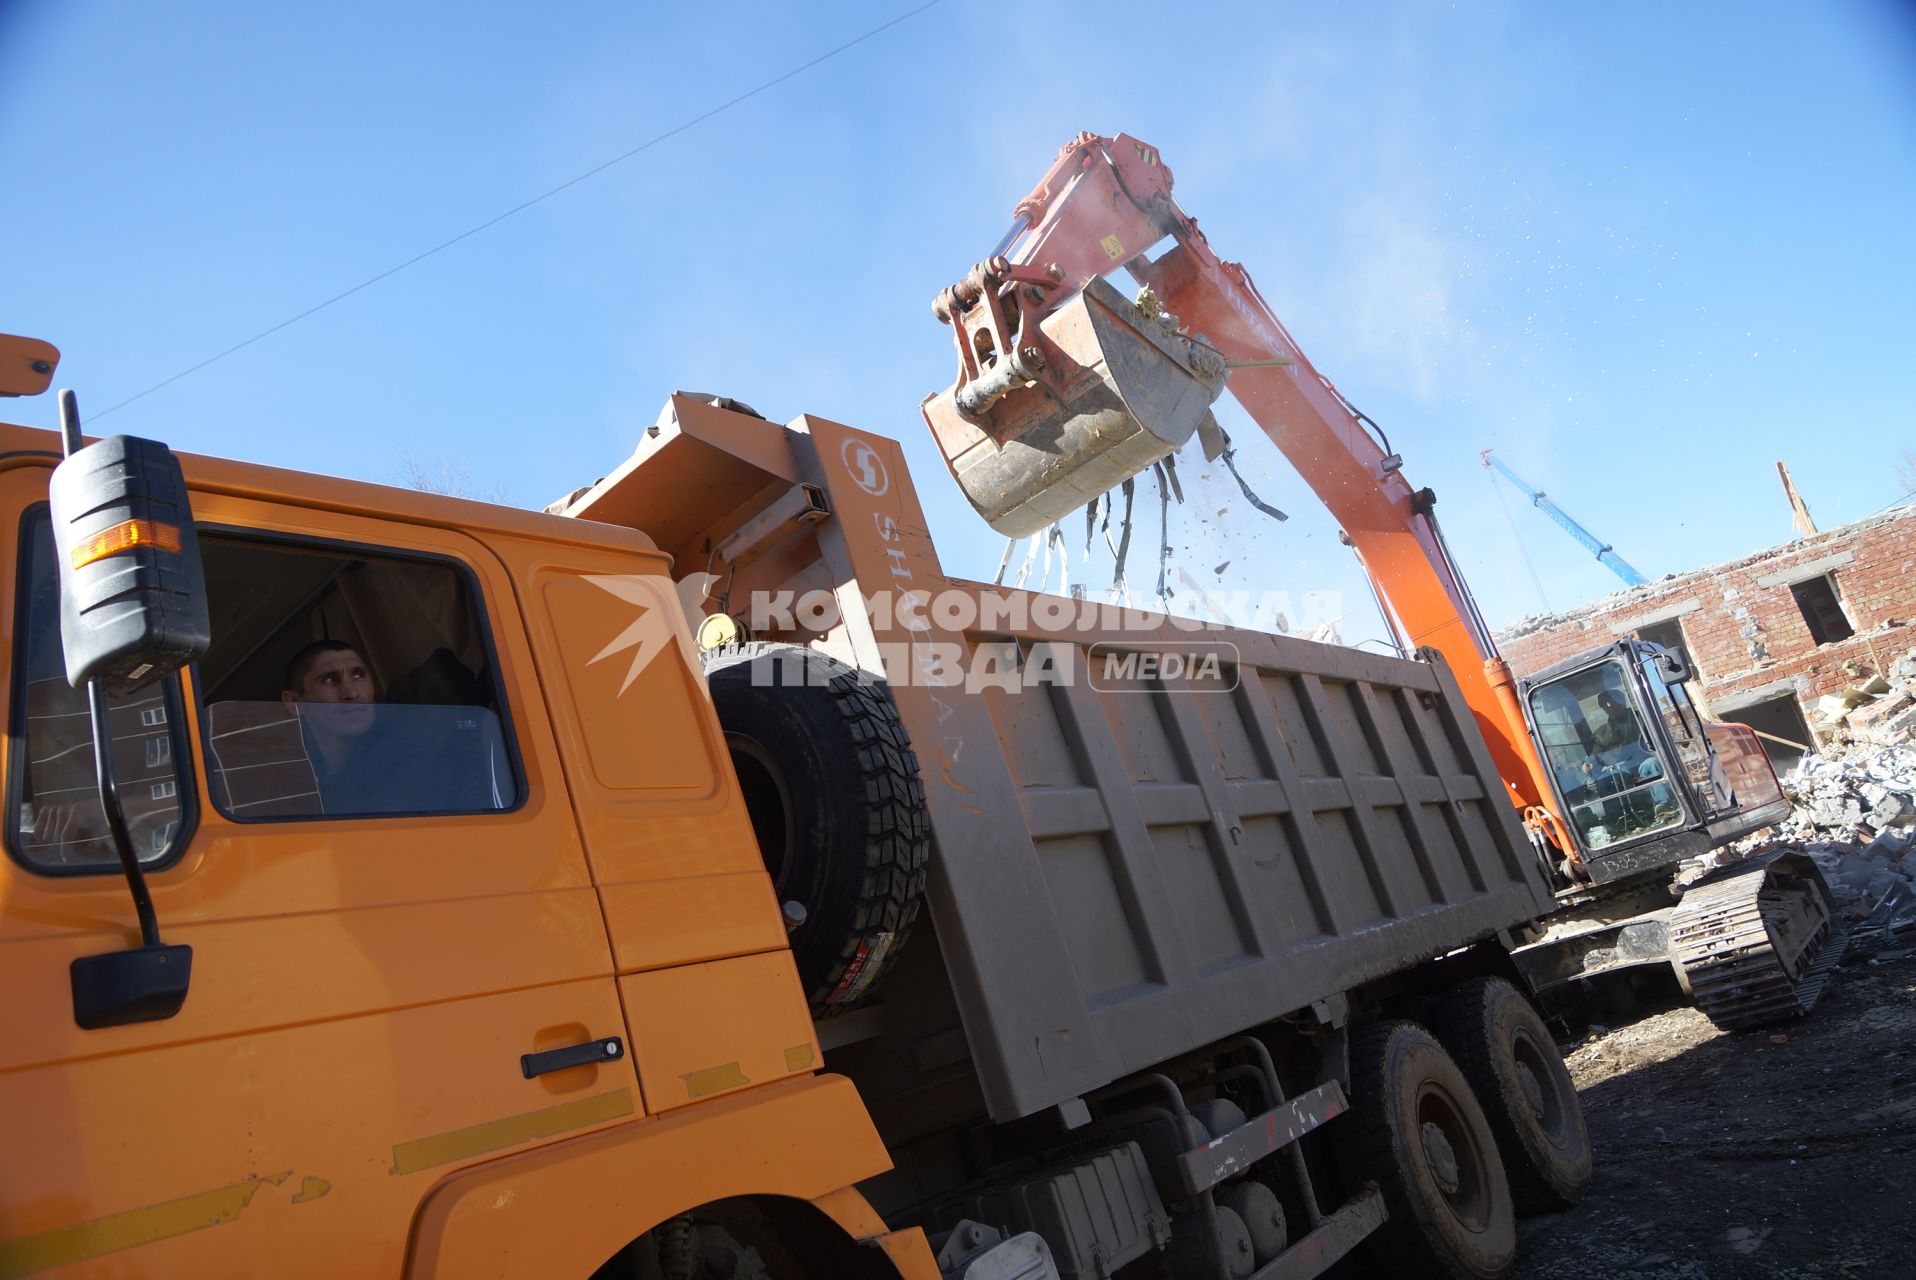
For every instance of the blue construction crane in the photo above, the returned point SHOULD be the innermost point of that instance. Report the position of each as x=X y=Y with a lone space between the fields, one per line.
x=1601 y=550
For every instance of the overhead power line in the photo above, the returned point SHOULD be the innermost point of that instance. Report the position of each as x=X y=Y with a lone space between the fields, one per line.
x=521 y=207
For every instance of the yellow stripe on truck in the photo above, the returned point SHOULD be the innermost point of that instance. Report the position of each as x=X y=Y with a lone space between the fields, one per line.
x=64 y=1246
x=496 y=1135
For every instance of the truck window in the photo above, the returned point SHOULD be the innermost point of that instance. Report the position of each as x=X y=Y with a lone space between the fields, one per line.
x=347 y=682
x=54 y=821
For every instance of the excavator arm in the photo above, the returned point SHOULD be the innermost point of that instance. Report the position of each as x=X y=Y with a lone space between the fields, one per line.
x=1024 y=361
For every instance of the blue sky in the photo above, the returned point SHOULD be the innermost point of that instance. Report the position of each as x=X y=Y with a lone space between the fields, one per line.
x=1642 y=250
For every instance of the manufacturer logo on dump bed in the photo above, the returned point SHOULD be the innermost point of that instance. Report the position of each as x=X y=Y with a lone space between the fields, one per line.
x=866 y=468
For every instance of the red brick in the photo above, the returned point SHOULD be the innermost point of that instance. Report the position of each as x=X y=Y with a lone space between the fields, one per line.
x=1878 y=589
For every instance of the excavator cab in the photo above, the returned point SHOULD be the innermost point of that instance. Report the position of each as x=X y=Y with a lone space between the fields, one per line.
x=1638 y=776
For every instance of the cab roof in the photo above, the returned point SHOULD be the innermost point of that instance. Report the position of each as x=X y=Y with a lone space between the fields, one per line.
x=354 y=497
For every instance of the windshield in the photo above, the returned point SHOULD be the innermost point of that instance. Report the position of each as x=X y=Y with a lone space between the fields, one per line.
x=1608 y=773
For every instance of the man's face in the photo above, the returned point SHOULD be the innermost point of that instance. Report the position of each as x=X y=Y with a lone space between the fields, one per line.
x=338 y=676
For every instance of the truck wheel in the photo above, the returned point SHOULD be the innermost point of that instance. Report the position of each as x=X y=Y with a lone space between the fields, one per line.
x=1418 y=1133
x=832 y=786
x=1511 y=1060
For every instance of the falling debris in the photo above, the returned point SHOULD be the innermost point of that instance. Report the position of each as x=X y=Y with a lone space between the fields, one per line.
x=1229 y=455
x=1221 y=568
x=1119 y=588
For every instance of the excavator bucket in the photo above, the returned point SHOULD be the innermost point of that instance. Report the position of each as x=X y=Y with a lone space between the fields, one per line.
x=1120 y=390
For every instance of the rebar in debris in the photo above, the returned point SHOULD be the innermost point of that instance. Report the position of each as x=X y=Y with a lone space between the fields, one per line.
x=1164 y=535
x=1230 y=464
x=1170 y=465
x=1004 y=562
x=1124 y=537
x=1031 y=556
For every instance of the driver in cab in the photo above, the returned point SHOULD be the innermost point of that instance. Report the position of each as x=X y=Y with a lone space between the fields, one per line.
x=371 y=758
x=331 y=688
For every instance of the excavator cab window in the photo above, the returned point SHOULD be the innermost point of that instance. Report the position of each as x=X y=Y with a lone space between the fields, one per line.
x=1607 y=769
x=1682 y=727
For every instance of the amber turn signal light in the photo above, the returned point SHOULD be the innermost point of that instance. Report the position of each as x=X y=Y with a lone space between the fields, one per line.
x=126 y=536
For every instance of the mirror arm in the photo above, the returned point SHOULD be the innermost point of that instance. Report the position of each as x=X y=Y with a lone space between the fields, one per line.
x=116 y=815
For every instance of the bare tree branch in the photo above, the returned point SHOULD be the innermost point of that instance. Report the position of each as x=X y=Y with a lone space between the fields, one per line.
x=444 y=476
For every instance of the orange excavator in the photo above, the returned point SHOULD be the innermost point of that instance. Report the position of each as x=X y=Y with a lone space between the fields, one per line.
x=1066 y=387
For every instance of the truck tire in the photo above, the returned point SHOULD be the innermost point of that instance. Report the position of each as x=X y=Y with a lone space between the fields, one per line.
x=1418 y=1133
x=832 y=786
x=1510 y=1059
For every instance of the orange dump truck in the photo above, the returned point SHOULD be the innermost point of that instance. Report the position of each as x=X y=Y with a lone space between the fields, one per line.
x=561 y=895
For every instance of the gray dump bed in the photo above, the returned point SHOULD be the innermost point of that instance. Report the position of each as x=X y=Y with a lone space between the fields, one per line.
x=1127 y=867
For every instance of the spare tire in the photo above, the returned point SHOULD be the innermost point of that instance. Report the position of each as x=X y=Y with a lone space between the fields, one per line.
x=831 y=783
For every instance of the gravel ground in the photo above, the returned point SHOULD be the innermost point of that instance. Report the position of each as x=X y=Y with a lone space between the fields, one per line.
x=1787 y=1151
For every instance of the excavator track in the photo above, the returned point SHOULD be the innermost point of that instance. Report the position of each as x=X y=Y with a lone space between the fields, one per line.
x=1757 y=943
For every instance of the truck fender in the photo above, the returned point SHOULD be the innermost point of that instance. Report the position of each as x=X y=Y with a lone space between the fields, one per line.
x=563 y=1209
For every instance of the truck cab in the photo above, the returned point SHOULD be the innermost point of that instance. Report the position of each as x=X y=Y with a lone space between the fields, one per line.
x=482 y=960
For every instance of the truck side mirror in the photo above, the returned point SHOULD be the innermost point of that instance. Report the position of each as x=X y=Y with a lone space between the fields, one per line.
x=132 y=593
x=132 y=611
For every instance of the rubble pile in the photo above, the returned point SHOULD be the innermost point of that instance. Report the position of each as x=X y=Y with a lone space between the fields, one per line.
x=1855 y=811
x=1856 y=817
x=1881 y=710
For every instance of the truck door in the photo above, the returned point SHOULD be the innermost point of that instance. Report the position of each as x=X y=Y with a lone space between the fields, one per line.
x=388 y=906
x=706 y=975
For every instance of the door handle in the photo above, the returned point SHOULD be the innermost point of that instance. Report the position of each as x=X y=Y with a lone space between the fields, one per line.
x=610 y=1049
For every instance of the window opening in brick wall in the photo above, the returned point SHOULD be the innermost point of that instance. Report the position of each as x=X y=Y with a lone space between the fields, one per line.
x=1822 y=609
x=1782 y=729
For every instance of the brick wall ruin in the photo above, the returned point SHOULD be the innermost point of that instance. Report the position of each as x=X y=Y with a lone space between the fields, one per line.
x=1766 y=634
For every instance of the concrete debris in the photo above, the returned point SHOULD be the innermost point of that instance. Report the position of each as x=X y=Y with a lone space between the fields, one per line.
x=1855 y=817
x=1882 y=709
